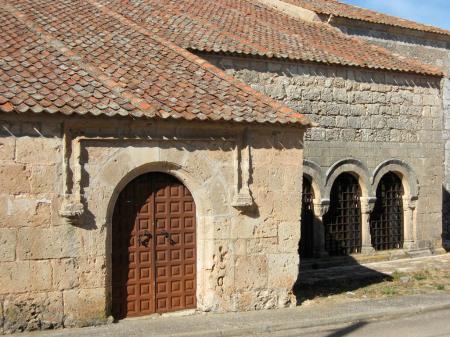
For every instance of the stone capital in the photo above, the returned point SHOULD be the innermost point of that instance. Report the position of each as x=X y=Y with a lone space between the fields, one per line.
x=410 y=202
x=367 y=204
x=321 y=207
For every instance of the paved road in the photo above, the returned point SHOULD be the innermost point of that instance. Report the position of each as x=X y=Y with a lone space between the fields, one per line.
x=429 y=316
x=432 y=324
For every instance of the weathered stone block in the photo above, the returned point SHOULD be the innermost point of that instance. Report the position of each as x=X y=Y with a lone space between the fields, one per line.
x=65 y=273
x=7 y=148
x=44 y=179
x=45 y=243
x=289 y=236
x=26 y=312
x=251 y=272
x=49 y=150
x=84 y=307
x=14 y=179
x=7 y=244
x=20 y=212
x=25 y=276
x=283 y=270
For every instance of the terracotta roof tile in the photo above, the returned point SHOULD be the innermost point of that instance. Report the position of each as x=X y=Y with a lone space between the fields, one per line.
x=337 y=8
x=78 y=57
x=246 y=27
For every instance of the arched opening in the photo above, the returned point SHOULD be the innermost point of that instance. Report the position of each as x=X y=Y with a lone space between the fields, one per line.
x=306 y=247
x=153 y=247
x=386 y=220
x=343 y=220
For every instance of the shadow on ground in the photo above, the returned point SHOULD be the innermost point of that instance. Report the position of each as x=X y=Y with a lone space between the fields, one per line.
x=322 y=277
x=347 y=330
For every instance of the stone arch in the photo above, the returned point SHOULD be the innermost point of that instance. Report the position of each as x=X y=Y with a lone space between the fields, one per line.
x=411 y=189
x=315 y=174
x=405 y=173
x=131 y=162
x=354 y=167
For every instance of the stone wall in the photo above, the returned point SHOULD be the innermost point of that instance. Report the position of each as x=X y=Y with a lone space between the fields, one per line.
x=55 y=273
x=370 y=119
x=430 y=48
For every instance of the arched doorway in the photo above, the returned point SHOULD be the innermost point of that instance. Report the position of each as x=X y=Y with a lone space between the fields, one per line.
x=343 y=220
x=306 y=248
x=153 y=247
x=386 y=220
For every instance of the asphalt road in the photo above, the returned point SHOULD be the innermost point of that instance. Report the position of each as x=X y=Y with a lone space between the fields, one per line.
x=431 y=324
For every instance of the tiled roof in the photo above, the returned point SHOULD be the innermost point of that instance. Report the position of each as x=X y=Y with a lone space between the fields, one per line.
x=246 y=27
x=337 y=8
x=76 y=57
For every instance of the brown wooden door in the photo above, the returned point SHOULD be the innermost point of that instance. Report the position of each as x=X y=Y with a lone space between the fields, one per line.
x=153 y=247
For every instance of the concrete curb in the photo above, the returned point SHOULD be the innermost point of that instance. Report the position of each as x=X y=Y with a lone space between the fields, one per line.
x=289 y=326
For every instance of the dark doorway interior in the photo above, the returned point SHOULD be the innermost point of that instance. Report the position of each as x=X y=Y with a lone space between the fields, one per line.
x=306 y=248
x=343 y=220
x=386 y=220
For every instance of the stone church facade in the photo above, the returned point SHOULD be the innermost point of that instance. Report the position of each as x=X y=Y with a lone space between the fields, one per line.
x=148 y=173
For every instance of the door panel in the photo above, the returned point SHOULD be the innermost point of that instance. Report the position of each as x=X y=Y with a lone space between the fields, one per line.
x=154 y=251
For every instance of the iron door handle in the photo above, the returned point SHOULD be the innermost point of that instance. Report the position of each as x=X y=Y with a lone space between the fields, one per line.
x=145 y=238
x=167 y=235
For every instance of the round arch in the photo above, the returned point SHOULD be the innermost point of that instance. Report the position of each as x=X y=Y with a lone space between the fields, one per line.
x=315 y=175
x=129 y=163
x=355 y=168
x=403 y=171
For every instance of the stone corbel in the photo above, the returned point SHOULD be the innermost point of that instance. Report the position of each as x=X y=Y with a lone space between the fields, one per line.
x=242 y=197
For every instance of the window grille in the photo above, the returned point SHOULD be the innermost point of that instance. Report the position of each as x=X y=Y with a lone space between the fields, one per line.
x=343 y=220
x=386 y=220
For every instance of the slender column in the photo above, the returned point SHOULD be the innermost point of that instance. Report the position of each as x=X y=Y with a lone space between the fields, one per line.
x=409 y=207
x=367 y=205
x=320 y=209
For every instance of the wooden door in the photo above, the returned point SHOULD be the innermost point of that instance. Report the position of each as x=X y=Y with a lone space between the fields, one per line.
x=153 y=247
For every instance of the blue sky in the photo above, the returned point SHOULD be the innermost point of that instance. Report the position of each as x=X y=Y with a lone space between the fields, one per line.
x=432 y=12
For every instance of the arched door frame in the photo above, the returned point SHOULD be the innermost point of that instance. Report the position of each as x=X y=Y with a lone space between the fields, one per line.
x=314 y=173
x=126 y=165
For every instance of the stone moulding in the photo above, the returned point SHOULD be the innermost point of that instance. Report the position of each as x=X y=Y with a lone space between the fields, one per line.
x=353 y=166
x=407 y=174
x=242 y=197
x=72 y=207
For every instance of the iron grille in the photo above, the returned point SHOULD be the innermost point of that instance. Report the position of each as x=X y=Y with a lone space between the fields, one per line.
x=307 y=225
x=343 y=220
x=386 y=220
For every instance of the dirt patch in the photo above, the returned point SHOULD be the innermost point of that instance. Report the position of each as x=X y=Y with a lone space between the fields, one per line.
x=398 y=283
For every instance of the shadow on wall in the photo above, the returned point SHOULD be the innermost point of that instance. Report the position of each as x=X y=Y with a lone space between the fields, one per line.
x=325 y=276
x=446 y=218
